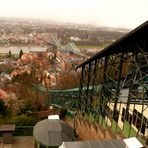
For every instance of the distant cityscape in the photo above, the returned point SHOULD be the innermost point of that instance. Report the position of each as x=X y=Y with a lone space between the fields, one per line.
x=38 y=57
x=45 y=53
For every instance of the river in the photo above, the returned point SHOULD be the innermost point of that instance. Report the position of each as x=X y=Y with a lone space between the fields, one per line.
x=26 y=49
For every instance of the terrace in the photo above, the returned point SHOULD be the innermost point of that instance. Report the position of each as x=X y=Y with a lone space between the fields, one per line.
x=19 y=142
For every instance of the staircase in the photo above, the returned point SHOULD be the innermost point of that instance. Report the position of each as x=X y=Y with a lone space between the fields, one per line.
x=92 y=131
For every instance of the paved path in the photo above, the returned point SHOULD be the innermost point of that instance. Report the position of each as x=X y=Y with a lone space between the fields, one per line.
x=19 y=142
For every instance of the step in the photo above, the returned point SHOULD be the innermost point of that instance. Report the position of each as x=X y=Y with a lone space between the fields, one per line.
x=109 y=134
x=120 y=136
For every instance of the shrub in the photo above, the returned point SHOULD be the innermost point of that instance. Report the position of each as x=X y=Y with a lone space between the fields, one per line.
x=2 y=107
x=24 y=124
x=24 y=120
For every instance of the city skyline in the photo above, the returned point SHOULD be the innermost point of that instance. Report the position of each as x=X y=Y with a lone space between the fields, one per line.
x=111 y=13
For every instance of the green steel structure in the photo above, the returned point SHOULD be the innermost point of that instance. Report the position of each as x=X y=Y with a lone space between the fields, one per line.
x=121 y=71
x=66 y=99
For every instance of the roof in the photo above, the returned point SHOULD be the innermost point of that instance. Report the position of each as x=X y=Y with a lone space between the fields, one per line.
x=124 y=44
x=133 y=142
x=37 y=50
x=52 y=132
x=94 y=144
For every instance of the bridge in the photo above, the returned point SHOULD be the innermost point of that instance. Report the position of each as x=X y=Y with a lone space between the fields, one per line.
x=67 y=99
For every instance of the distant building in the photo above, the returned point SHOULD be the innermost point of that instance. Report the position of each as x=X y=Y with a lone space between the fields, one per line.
x=38 y=51
x=75 y=39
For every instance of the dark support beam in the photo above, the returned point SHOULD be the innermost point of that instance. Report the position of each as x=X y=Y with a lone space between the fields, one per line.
x=87 y=99
x=118 y=82
x=103 y=100
x=94 y=79
x=81 y=88
x=88 y=79
x=131 y=85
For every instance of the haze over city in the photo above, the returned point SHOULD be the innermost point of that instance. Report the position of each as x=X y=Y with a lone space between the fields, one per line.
x=111 y=13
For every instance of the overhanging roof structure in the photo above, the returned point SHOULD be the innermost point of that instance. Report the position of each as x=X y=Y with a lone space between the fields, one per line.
x=52 y=132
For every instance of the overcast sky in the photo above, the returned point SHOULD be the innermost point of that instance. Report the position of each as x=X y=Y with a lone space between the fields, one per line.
x=113 y=13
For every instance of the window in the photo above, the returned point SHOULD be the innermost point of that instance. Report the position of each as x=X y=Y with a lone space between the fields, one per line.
x=116 y=115
x=123 y=114
x=127 y=116
x=134 y=116
x=139 y=117
x=143 y=125
x=130 y=118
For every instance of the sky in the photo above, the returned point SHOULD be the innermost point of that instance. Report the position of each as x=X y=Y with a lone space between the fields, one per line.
x=111 y=13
